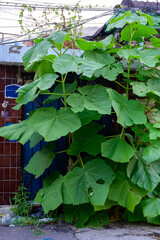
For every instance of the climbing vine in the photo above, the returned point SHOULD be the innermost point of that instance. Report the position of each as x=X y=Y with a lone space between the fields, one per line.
x=58 y=17
x=104 y=171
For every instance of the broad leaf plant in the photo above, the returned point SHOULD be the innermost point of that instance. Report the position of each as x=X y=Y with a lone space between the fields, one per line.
x=103 y=171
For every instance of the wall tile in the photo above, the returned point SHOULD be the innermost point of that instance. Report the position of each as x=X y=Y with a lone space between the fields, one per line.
x=10 y=152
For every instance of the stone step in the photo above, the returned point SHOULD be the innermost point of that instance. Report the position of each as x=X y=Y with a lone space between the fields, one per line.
x=4 y=209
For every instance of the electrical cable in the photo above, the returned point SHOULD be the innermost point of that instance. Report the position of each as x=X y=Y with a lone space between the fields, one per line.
x=12 y=13
x=9 y=19
x=82 y=22
x=5 y=43
x=17 y=5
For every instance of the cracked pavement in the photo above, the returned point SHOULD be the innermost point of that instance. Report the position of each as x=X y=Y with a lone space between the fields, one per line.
x=63 y=231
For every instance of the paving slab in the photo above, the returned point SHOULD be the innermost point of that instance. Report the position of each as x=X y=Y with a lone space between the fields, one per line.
x=63 y=231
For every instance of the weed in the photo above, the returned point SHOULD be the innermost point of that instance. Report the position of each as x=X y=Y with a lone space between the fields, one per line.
x=21 y=206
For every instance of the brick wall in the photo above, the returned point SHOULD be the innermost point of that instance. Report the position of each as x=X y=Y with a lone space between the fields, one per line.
x=10 y=151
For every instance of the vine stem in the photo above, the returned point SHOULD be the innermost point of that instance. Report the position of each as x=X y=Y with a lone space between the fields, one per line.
x=58 y=94
x=129 y=62
x=64 y=90
x=81 y=161
x=68 y=47
x=131 y=142
x=111 y=136
x=120 y=84
x=59 y=81
x=75 y=163
x=122 y=133
x=62 y=151
x=128 y=77
x=55 y=51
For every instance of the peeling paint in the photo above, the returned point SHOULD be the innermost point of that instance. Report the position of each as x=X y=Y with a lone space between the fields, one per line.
x=15 y=49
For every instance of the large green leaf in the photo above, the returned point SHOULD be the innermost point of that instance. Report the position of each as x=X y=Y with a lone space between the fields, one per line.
x=138 y=31
x=156 y=166
x=35 y=139
x=129 y=53
x=150 y=18
x=88 y=45
x=108 y=42
x=151 y=207
x=27 y=93
x=87 y=116
x=108 y=204
x=128 y=112
x=41 y=160
x=117 y=149
x=125 y=193
x=142 y=174
x=88 y=67
x=154 y=132
x=111 y=72
x=87 y=140
x=140 y=88
x=66 y=63
x=155 y=42
x=154 y=85
x=152 y=152
x=127 y=17
x=111 y=68
x=89 y=183
x=59 y=37
x=52 y=194
x=19 y=131
x=37 y=53
x=44 y=67
x=54 y=124
x=152 y=54
x=93 y=97
x=100 y=57
x=142 y=132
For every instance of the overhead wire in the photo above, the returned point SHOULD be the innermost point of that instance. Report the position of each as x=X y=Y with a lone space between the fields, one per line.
x=38 y=6
x=54 y=23
x=69 y=28
x=11 y=13
x=9 y=19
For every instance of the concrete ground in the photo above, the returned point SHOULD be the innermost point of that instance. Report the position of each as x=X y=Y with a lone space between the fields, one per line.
x=62 y=231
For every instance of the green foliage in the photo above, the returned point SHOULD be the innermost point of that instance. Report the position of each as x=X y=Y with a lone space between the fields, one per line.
x=92 y=98
x=143 y=174
x=87 y=140
x=21 y=206
x=103 y=171
x=125 y=193
x=19 y=131
x=43 y=159
x=28 y=92
x=136 y=216
x=54 y=124
x=91 y=183
x=117 y=150
x=128 y=112
x=151 y=207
